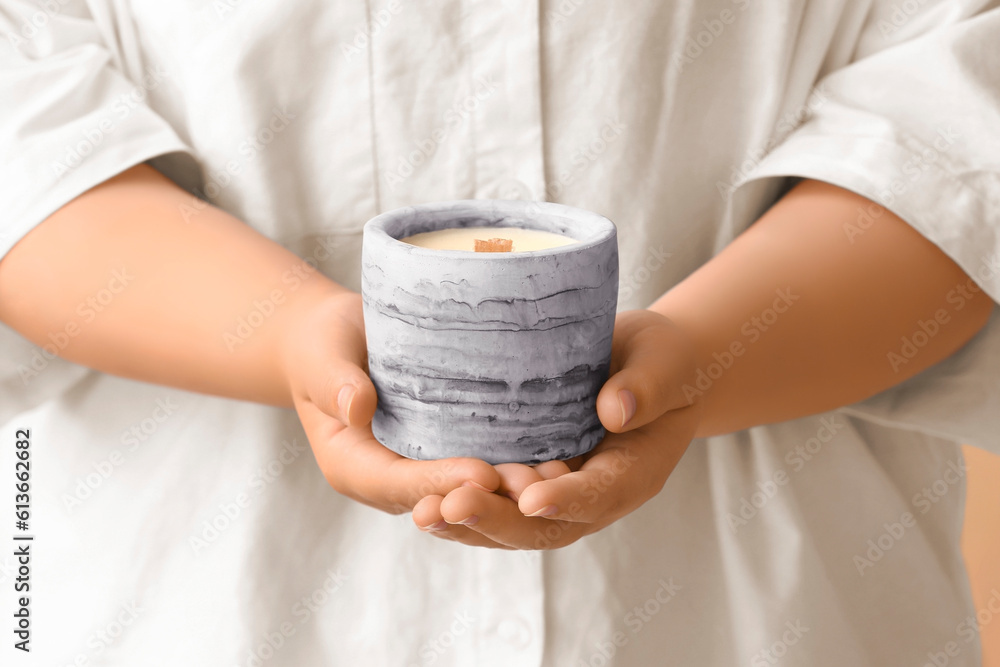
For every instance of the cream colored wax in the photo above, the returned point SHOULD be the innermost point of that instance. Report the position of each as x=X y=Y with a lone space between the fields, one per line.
x=464 y=238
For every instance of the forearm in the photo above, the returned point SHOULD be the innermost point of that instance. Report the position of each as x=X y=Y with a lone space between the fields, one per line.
x=119 y=281
x=793 y=318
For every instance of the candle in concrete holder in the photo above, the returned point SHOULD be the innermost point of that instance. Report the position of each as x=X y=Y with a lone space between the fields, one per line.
x=497 y=354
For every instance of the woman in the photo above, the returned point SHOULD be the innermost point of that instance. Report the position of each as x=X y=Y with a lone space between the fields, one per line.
x=859 y=136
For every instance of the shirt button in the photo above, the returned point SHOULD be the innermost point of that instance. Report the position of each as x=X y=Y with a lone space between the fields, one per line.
x=515 y=632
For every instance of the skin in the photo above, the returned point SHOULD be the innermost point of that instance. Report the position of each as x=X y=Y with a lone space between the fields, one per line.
x=852 y=304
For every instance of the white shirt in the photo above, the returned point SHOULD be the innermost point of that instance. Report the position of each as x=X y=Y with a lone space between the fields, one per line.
x=829 y=540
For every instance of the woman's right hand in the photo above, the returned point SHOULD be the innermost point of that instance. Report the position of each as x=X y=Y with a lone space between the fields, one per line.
x=325 y=361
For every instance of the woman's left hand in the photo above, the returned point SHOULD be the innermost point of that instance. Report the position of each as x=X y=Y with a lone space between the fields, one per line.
x=650 y=422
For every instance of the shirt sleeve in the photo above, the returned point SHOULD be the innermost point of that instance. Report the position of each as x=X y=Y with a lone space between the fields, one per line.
x=69 y=118
x=915 y=127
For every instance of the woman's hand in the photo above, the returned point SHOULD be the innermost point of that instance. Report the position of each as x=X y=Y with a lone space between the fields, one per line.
x=650 y=424
x=324 y=358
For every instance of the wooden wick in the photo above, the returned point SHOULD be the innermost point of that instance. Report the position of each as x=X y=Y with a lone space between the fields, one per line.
x=494 y=245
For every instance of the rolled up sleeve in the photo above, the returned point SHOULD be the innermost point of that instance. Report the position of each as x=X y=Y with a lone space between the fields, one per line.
x=915 y=127
x=69 y=118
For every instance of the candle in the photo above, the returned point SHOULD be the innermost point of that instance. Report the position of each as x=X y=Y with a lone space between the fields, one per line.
x=465 y=238
x=497 y=354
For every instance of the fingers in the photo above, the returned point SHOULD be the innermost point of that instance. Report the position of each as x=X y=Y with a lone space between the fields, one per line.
x=427 y=514
x=557 y=505
x=598 y=492
x=427 y=517
x=621 y=474
x=405 y=482
x=652 y=361
x=498 y=519
x=473 y=516
x=553 y=469
x=359 y=467
x=515 y=478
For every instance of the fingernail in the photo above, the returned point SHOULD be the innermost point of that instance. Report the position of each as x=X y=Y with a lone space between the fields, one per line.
x=344 y=400
x=440 y=525
x=626 y=401
x=476 y=485
x=548 y=510
x=470 y=521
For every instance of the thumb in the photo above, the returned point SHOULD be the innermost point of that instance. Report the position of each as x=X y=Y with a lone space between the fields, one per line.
x=347 y=395
x=334 y=362
x=653 y=361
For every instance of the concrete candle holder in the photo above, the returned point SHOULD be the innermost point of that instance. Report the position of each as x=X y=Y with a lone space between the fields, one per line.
x=497 y=356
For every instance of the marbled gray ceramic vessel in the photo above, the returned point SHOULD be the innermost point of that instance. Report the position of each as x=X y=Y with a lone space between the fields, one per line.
x=498 y=356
